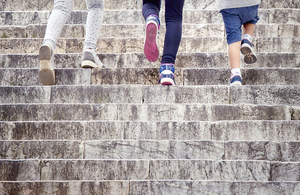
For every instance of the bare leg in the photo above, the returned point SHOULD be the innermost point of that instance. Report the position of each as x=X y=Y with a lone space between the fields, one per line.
x=234 y=54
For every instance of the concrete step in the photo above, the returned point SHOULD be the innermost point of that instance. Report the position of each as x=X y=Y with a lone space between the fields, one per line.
x=255 y=130
x=150 y=76
x=233 y=170
x=271 y=95
x=138 y=60
x=142 y=187
x=145 y=112
x=24 y=18
x=129 y=45
x=137 y=30
x=152 y=149
x=131 y=4
x=262 y=76
x=25 y=77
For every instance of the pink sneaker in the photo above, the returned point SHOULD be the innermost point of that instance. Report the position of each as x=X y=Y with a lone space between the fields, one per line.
x=151 y=49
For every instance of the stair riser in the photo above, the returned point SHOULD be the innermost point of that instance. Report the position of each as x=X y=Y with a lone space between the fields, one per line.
x=267 y=16
x=138 y=60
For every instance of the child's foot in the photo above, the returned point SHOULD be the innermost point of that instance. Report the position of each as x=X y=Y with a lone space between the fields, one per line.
x=235 y=79
x=248 y=52
x=151 y=49
x=90 y=59
x=166 y=74
x=46 y=57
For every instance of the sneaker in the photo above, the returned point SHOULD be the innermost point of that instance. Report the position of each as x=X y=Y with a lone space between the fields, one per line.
x=46 y=57
x=166 y=74
x=151 y=49
x=235 y=79
x=248 y=52
x=90 y=59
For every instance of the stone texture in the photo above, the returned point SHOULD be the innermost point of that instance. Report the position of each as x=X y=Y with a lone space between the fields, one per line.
x=24 y=95
x=29 y=77
x=213 y=187
x=65 y=187
x=256 y=130
x=138 y=60
x=97 y=94
x=271 y=151
x=266 y=76
x=148 y=149
x=186 y=94
x=209 y=170
x=285 y=95
x=95 y=170
x=19 y=170
x=285 y=171
x=41 y=150
x=167 y=130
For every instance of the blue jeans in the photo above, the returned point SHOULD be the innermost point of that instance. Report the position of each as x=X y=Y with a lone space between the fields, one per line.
x=173 y=16
x=234 y=18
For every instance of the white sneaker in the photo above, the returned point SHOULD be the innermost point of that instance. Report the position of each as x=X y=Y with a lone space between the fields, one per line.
x=90 y=59
x=46 y=57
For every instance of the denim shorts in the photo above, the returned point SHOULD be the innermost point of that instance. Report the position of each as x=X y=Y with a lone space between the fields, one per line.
x=234 y=18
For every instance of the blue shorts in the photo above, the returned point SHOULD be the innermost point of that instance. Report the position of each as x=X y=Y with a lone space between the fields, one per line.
x=234 y=18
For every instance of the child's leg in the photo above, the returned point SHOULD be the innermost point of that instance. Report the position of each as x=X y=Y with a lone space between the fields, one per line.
x=150 y=12
x=233 y=25
x=173 y=18
x=59 y=15
x=57 y=19
x=93 y=23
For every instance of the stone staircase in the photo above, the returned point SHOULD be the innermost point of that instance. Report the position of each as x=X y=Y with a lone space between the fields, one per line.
x=115 y=131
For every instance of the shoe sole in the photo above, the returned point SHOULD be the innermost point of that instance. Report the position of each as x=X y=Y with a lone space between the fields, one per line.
x=167 y=81
x=236 y=83
x=88 y=64
x=150 y=48
x=249 y=56
x=46 y=73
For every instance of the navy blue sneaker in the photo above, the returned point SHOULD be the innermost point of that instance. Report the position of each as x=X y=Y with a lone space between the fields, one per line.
x=235 y=79
x=151 y=44
x=247 y=50
x=166 y=74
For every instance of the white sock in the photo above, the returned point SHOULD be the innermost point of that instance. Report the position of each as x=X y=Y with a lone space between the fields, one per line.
x=236 y=71
x=247 y=36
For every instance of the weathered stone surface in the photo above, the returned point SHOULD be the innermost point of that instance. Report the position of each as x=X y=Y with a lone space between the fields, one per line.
x=213 y=187
x=66 y=187
x=220 y=76
x=19 y=170
x=186 y=94
x=256 y=130
x=272 y=151
x=250 y=112
x=138 y=60
x=121 y=45
x=61 y=130
x=24 y=95
x=148 y=149
x=295 y=113
x=56 y=112
x=209 y=170
x=97 y=94
x=290 y=16
x=285 y=171
x=28 y=77
x=41 y=150
x=131 y=4
x=285 y=95
x=142 y=112
x=167 y=130
x=95 y=170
